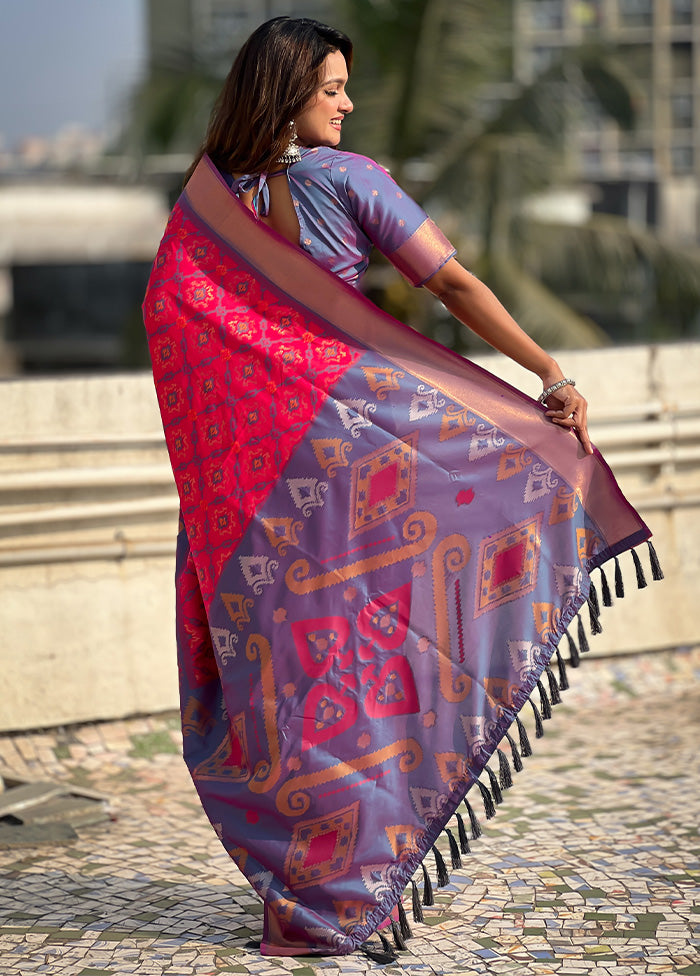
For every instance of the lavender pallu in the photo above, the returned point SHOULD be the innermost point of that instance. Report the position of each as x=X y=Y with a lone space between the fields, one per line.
x=381 y=547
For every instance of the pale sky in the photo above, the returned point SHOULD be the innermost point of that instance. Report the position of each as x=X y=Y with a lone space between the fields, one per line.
x=67 y=61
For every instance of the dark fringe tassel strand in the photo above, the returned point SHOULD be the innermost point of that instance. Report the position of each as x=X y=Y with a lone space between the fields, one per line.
x=581 y=634
x=473 y=821
x=505 y=779
x=544 y=701
x=489 y=808
x=428 y=897
x=574 y=659
x=443 y=877
x=455 y=859
x=605 y=589
x=657 y=572
x=554 y=695
x=403 y=922
x=517 y=761
x=386 y=945
x=495 y=788
x=525 y=747
x=398 y=938
x=381 y=958
x=594 y=618
x=619 y=584
x=462 y=834
x=593 y=597
x=415 y=903
x=641 y=579
x=563 y=679
x=539 y=729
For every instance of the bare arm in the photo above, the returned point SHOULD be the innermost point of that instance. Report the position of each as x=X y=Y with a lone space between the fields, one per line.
x=475 y=305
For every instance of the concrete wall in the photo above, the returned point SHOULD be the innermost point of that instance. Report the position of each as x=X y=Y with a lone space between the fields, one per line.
x=88 y=516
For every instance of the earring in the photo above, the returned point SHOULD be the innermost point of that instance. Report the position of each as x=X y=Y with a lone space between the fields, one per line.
x=291 y=154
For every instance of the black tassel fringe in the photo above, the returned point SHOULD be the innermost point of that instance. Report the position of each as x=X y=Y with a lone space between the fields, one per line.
x=554 y=695
x=403 y=922
x=428 y=897
x=489 y=808
x=544 y=701
x=581 y=634
x=415 y=903
x=594 y=618
x=473 y=821
x=539 y=728
x=574 y=659
x=443 y=877
x=657 y=572
x=492 y=797
x=381 y=956
x=462 y=834
x=525 y=747
x=563 y=678
x=619 y=584
x=495 y=788
x=641 y=579
x=517 y=761
x=398 y=938
x=505 y=777
x=455 y=859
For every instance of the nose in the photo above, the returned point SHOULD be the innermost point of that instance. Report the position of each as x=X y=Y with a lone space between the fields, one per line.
x=346 y=105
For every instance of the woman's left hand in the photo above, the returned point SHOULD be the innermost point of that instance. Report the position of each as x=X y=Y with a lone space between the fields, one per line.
x=568 y=408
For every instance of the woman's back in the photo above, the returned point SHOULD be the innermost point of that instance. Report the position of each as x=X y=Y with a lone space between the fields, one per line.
x=336 y=206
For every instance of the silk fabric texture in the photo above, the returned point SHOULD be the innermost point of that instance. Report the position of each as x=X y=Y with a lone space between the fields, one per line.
x=381 y=545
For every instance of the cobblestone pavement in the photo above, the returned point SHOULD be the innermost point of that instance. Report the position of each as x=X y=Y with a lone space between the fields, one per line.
x=590 y=867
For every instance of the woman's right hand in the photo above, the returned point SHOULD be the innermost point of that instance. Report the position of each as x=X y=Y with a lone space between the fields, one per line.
x=567 y=408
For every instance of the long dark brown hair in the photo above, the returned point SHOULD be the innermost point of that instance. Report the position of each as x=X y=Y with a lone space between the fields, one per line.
x=274 y=75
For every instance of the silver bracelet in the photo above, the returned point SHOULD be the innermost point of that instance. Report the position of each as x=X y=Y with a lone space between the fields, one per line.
x=553 y=389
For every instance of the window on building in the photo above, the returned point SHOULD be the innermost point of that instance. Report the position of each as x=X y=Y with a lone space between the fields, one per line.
x=548 y=14
x=543 y=58
x=637 y=58
x=682 y=158
x=637 y=160
x=682 y=60
x=591 y=160
x=586 y=13
x=682 y=110
x=682 y=11
x=637 y=13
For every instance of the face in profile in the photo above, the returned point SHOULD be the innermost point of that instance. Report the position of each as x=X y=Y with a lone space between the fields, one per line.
x=320 y=121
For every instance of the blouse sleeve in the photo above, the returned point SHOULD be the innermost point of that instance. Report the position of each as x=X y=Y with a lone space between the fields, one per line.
x=393 y=222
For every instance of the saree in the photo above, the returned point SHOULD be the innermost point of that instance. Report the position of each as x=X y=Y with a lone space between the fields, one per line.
x=381 y=547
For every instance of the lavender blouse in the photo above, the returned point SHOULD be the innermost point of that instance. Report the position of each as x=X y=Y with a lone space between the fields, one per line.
x=346 y=204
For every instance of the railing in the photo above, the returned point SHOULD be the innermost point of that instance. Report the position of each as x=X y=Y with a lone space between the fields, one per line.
x=74 y=499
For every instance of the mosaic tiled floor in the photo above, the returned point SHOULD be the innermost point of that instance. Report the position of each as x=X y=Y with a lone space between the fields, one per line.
x=590 y=867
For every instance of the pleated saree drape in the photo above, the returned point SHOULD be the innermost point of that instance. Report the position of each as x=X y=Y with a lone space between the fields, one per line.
x=381 y=548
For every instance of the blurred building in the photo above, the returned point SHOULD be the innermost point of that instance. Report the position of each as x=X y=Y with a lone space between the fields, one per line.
x=214 y=30
x=74 y=262
x=652 y=174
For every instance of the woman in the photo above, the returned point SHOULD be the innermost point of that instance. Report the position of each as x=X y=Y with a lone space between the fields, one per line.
x=381 y=545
